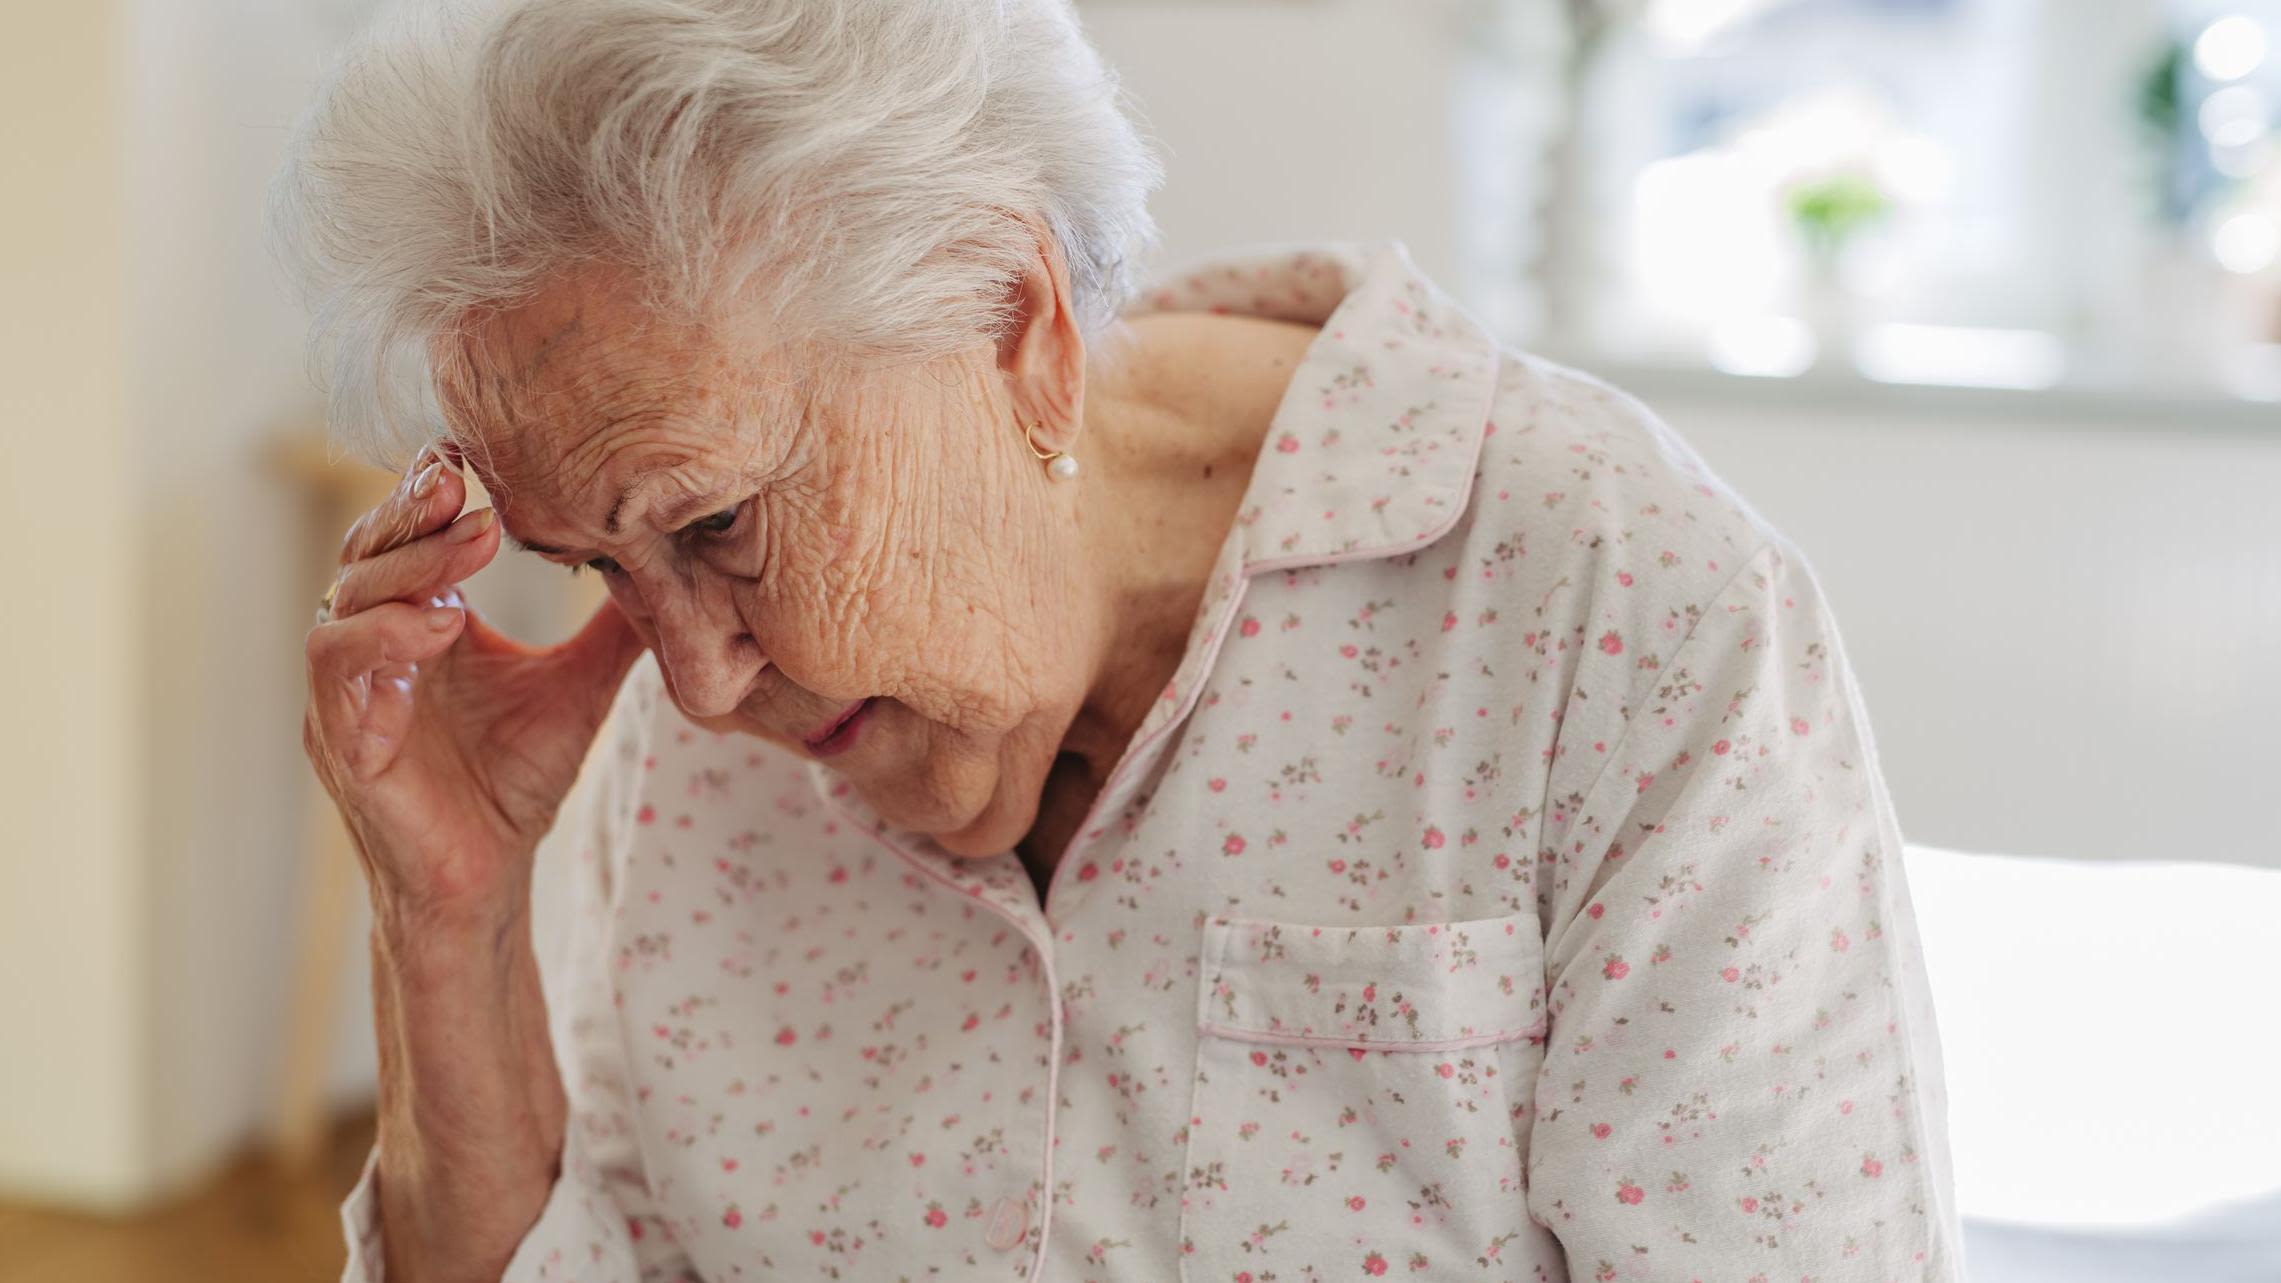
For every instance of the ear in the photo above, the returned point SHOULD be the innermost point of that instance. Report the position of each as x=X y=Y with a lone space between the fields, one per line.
x=1041 y=353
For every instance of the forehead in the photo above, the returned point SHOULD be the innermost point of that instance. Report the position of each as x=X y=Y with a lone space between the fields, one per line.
x=544 y=395
x=514 y=379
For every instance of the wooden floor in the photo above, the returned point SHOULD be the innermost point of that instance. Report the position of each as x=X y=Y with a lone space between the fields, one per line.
x=250 y=1224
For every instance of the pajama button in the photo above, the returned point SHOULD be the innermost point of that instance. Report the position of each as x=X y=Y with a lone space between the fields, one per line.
x=1008 y=1221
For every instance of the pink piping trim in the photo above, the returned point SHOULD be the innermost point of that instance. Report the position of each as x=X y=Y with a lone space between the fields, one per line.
x=1044 y=947
x=1133 y=754
x=1053 y=1008
x=1246 y=568
x=1273 y=1038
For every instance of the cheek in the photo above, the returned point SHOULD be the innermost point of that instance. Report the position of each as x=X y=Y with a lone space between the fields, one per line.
x=820 y=628
x=867 y=574
x=821 y=584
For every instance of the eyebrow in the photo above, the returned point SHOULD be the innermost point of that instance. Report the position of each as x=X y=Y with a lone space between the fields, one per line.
x=543 y=549
x=609 y=522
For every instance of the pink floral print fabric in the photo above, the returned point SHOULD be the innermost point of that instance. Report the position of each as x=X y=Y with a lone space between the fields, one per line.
x=1503 y=888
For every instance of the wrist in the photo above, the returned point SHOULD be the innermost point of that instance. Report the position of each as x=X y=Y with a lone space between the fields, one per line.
x=465 y=1045
x=465 y=915
x=427 y=936
x=472 y=1111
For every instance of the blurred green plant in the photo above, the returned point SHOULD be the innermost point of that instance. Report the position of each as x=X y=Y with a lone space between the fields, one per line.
x=2158 y=99
x=2159 y=103
x=1828 y=213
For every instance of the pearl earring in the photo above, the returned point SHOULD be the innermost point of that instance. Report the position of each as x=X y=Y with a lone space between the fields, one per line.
x=1060 y=465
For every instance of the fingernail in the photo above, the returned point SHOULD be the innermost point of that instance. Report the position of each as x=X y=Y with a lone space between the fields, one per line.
x=442 y=617
x=426 y=482
x=472 y=525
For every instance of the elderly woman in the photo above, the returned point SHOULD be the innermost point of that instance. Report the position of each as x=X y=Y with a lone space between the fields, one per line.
x=1240 y=777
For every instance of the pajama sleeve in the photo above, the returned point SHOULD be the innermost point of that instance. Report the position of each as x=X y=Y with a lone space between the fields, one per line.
x=600 y=1223
x=1742 y=1077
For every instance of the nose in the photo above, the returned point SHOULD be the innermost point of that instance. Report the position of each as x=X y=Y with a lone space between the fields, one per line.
x=710 y=660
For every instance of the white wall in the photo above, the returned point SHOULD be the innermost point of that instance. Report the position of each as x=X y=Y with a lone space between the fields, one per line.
x=218 y=372
x=1331 y=119
x=158 y=800
x=73 y=1037
x=2065 y=620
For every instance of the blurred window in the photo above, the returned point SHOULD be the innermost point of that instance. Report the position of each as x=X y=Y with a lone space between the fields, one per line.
x=2000 y=192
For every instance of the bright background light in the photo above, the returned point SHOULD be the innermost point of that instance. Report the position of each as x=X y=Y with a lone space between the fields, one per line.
x=2230 y=48
x=2246 y=243
x=1763 y=346
x=2235 y=116
x=1961 y=356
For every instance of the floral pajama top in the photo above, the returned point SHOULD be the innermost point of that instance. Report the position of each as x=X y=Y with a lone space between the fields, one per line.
x=1503 y=888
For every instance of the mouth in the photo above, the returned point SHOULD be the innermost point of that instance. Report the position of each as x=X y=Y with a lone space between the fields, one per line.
x=839 y=734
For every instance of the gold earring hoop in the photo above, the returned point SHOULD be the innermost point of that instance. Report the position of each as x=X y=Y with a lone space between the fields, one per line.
x=1059 y=464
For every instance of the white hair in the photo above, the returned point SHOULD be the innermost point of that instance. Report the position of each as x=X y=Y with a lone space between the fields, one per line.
x=848 y=165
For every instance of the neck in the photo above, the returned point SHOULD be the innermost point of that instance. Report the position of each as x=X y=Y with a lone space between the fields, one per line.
x=1171 y=434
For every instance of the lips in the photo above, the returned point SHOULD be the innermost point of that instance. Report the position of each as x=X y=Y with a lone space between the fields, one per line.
x=821 y=734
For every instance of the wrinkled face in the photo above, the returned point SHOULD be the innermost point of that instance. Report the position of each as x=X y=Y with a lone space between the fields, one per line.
x=789 y=550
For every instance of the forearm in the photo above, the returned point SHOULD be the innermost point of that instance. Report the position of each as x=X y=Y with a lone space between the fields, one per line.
x=471 y=1104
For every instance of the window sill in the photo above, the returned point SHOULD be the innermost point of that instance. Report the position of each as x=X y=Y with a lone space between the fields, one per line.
x=2084 y=399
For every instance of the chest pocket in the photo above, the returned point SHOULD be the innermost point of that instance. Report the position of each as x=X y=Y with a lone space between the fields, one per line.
x=1359 y=1099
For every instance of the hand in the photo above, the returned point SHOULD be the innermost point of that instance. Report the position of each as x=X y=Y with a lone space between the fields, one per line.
x=447 y=746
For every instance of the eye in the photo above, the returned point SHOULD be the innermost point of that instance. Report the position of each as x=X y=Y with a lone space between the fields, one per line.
x=720 y=523
x=600 y=565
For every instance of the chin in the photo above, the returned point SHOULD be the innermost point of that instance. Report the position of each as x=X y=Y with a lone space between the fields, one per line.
x=960 y=845
x=968 y=836
x=950 y=789
x=969 y=831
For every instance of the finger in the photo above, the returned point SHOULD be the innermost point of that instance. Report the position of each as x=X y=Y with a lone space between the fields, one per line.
x=349 y=658
x=390 y=633
x=429 y=495
x=418 y=570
